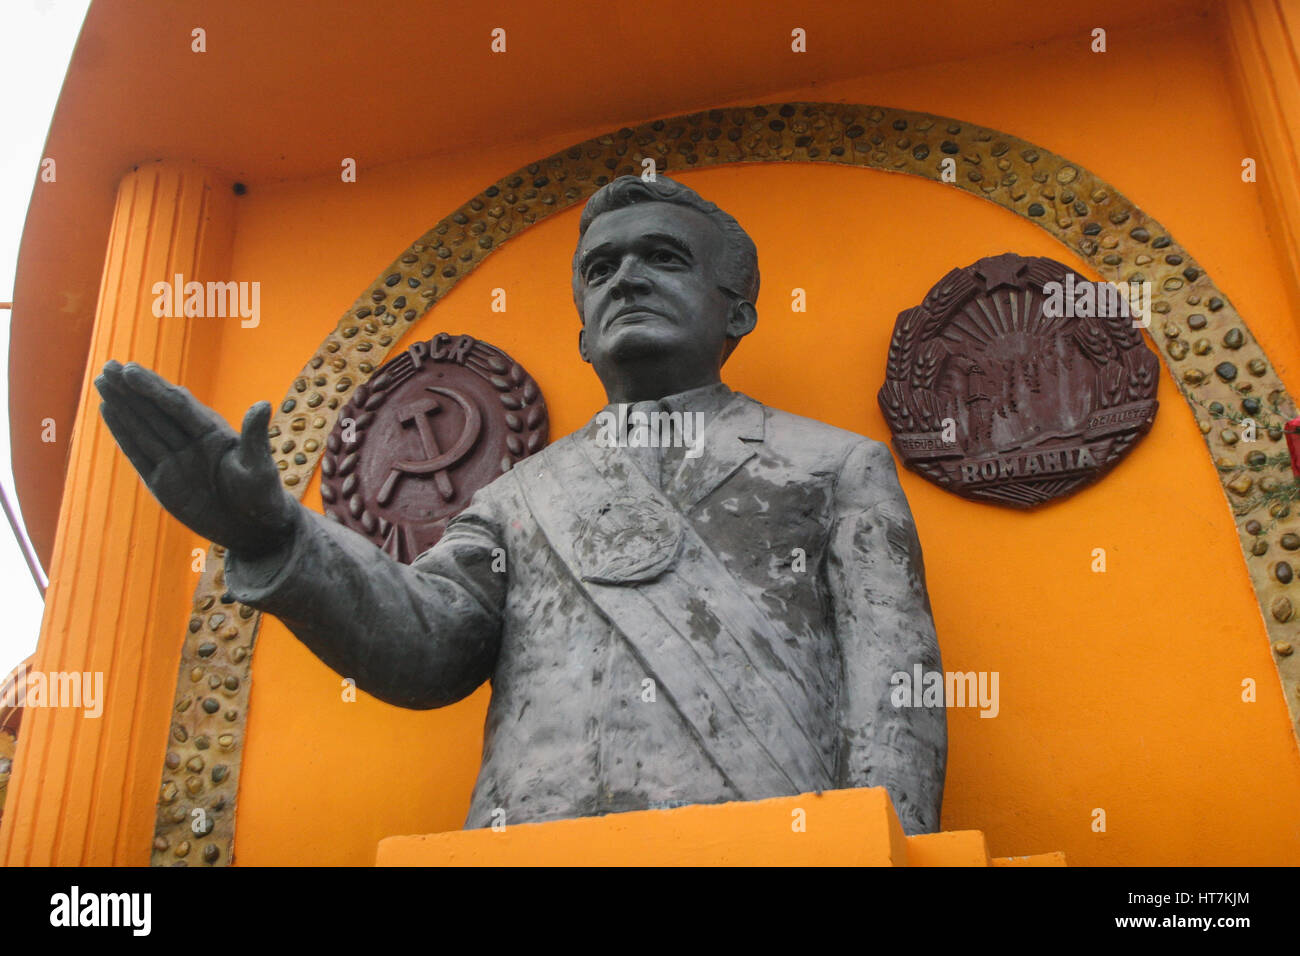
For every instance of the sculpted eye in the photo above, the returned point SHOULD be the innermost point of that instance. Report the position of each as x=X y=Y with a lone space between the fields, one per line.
x=663 y=256
x=597 y=270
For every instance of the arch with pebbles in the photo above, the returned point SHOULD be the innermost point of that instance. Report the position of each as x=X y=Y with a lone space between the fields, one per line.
x=1217 y=364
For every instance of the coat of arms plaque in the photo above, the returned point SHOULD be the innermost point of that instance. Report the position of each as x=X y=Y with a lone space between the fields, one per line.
x=1018 y=381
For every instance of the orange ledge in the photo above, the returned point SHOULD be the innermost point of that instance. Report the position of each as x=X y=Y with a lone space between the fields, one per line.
x=834 y=828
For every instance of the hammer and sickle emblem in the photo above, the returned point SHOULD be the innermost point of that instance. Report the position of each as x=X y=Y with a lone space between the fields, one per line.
x=436 y=461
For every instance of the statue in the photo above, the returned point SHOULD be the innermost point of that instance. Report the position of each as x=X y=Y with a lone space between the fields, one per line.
x=665 y=618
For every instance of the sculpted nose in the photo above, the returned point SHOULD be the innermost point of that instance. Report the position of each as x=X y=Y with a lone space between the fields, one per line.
x=629 y=281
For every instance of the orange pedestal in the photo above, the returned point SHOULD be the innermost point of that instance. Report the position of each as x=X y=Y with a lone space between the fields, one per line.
x=835 y=828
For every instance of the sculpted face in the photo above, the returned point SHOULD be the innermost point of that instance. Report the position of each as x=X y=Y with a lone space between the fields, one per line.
x=648 y=277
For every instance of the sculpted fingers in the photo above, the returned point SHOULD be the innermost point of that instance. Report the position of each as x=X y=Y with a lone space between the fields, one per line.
x=184 y=415
x=114 y=387
x=152 y=431
x=254 y=444
x=142 y=449
x=109 y=377
x=111 y=367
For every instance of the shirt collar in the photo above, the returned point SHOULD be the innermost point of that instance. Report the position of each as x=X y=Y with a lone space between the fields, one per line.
x=709 y=399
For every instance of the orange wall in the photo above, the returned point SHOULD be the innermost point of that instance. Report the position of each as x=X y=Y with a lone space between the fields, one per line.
x=1118 y=690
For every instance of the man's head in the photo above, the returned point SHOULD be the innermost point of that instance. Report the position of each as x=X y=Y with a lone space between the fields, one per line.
x=661 y=275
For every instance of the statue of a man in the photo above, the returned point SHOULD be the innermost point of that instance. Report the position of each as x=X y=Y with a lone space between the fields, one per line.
x=670 y=625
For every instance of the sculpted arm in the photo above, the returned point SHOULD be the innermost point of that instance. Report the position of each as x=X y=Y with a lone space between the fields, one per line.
x=884 y=624
x=419 y=636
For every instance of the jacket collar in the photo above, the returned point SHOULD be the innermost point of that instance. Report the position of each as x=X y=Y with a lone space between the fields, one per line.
x=727 y=444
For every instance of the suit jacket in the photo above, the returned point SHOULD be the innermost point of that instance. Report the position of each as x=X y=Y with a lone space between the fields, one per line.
x=814 y=530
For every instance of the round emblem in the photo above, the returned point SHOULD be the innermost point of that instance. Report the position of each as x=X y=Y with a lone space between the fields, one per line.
x=428 y=430
x=628 y=540
x=1019 y=381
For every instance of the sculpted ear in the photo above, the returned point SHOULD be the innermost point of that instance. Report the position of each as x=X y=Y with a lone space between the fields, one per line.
x=741 y=321
x=582 y=345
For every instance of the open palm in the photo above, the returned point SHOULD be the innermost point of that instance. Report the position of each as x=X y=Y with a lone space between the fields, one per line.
x=220 y=483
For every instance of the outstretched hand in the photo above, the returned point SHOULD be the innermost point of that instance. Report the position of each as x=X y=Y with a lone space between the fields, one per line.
x=221 y=484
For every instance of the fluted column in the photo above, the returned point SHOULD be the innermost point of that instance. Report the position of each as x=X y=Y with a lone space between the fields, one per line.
x=84 y=788
x=1263 y=45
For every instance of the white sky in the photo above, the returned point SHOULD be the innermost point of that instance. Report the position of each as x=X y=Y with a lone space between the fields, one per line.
x=36 y=41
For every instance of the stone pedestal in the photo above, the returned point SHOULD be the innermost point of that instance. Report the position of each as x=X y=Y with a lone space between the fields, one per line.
x=835 y=828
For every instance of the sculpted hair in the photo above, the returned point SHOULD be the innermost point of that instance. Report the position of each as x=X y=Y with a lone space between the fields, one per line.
x=738 y=271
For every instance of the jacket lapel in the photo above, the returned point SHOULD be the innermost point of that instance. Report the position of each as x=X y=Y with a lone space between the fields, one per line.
x=727 y=445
